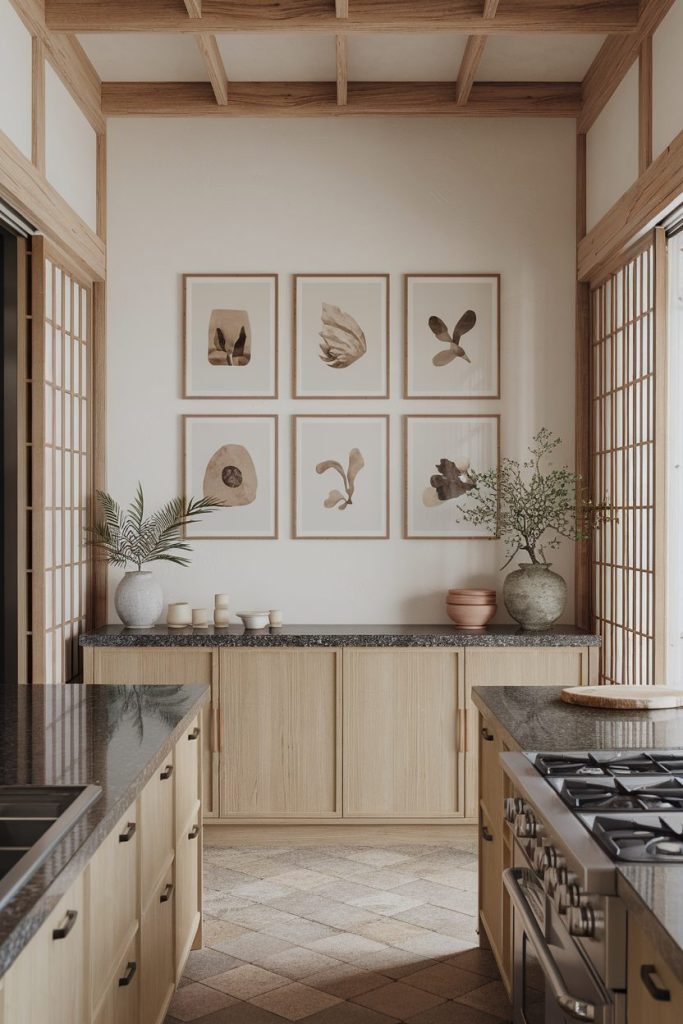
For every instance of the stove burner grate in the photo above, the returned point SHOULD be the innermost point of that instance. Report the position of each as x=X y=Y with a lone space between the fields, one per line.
x=614 y=764
x=652 y=840
x=615 y=794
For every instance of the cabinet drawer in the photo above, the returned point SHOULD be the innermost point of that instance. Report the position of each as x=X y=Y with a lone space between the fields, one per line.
x=491 y=881
x=120 y=1003
x=187 y=888
x=187 y=771
x=146 y=667
x=156 y=828
x=113 y=899
x=157 y=965
x=649 y=981
x=491 y=783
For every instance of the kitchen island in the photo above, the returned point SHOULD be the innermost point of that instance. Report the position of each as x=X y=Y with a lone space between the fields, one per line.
x=101 y=930
x=515 y=718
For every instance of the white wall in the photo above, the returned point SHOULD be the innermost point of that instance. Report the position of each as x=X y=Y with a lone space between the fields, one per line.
x=15 y=78
x=356 y=195
x=612 y=149
x=70 y=149
x=667 y=79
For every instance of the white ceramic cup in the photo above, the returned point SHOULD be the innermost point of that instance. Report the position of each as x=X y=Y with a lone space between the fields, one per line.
x=179 y=614
x=221 y=600
x=221 y=617
x=275 y=617
x=200 y=617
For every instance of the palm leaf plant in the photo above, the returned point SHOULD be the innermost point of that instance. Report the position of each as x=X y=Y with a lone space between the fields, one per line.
x=132 y=537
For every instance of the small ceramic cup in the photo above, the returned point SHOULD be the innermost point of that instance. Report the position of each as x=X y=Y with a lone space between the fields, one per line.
x=221 y=601
x=221 y=617
x=179 y=614
x=275 y=617
x=200 y=618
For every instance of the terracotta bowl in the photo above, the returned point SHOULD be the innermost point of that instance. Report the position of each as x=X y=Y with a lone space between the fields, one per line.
x=483 y=600
x=471 y=590
x=470 y=616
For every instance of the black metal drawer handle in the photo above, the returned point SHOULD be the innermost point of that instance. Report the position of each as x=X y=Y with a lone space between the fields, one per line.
x=167 y=772
x=486 y=835
x=647 y=974
x=194 y=833
x=131 y=968
x=129 y=833
x=167 y=893
x=69 y=922
x=194 y=735
x=486 y=734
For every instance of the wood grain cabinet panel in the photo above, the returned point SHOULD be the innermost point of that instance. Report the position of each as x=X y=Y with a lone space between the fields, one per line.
x=188 y=756
x=527 y=666
x=121 y=999
x=653 y=990
x=401 y=757
x=157 y=961
x=157 y=838
x=280 y=713
x=187 y=888
x=491 y=882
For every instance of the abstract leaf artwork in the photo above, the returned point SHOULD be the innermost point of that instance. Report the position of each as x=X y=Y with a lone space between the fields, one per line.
x=461 y=312
x=341 y=336
x=230 y=335
x=341 y=466
x=459 y=448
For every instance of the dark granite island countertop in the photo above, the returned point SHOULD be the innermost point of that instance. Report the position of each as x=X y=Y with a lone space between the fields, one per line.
x=534 y=718
x=339 y=636
x=114 y=736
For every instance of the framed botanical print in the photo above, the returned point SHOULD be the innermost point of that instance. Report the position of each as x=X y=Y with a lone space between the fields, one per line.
x=441 y=455
x=230 y=335
x=452 y=343
x=341 y=477
x=341 y=329
x=234 y=459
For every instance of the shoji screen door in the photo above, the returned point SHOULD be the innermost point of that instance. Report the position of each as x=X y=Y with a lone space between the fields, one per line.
x=628 y=432
x=60 y=377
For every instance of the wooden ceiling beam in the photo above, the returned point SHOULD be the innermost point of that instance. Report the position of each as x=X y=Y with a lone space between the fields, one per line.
x=341 y=8
x=316 y=99
x=194 y=8
x=474 y=51
x=572 y=16
x=208 y=48
x=615 y=58
x=342 y=72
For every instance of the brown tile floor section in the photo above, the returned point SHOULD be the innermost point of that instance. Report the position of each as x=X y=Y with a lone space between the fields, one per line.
x=340 y=935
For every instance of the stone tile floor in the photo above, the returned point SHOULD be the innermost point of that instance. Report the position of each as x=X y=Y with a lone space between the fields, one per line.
x=341 y=935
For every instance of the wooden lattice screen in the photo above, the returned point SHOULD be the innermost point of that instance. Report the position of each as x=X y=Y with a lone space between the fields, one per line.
x=627 y=443
x=60 y=394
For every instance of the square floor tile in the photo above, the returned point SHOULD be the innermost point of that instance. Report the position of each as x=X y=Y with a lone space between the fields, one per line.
x=207 y=962
x=439 y=919
x=344 y=890
x=382 y=878
x=431 y=945
x=247 y=981
x=298 y=962
x=445 y=980
x=455 y=1013
x=215 y=929
x=440 y=895
x=387 y=903
x=398 y=999
x=395 y=963
x=350 y=1013
x=240 y=1013
x=295 y=1001
x=457 y=878
x=390 y=930
x=345 y=980
x=300 y=930
x=479 y=961
x=253 y=947
x=262 y=890
x=196 y=1000
x=259 y=916
x=491 y=998
x=302 y=878
x=346 y=946
x=379 y=858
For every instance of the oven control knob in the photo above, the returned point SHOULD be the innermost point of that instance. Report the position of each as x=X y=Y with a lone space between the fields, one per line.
x=526 y=826
x=542 y=858
x=514 y=805
x=556 y=875
x=568 y=896
x=581 y=922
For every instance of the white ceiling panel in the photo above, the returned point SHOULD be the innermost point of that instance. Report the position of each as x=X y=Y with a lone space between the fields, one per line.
x=275 y=57
x=538 y=58
x=403 y=57
x=144 y=57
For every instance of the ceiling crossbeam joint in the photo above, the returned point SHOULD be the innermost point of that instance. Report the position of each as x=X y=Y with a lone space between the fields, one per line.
x=474 y=51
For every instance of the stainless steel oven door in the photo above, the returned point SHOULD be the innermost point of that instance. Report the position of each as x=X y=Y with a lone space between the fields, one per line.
x=552 y=981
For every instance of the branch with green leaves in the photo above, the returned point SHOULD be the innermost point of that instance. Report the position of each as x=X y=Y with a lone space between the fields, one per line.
x=129 y=536
x=533 y=507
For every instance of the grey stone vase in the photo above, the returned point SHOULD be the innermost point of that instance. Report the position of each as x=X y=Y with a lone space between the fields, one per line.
x=534 y=595
x=139 y=600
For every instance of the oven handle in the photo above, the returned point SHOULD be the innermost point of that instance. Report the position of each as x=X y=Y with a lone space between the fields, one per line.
x=577 y=1009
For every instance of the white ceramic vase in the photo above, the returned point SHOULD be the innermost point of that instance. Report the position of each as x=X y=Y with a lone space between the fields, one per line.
x=534 y=595
x=139 y=600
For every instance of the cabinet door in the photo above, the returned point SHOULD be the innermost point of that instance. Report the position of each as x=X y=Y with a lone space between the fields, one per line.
x=401 y=757
x=187 y=888
x=653 y=991
x=48 y=980
x=113 y=899
x=188 y=755
x=157 y=840
x=120 y=1003
x=157 y=962
x=491 y=882
x=280 y=734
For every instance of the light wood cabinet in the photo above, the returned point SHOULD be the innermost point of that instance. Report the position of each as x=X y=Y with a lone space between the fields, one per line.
x=188 y=887
x=157 y=960
x=490 y=881
x=401 y=757
x=120 y=1003
x=157 y=840
x=653 y=990
x=281 y=733
x=188 y=769
x=529 y=666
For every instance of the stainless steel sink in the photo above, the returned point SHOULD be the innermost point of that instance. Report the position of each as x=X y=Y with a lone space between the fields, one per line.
x=33 y=821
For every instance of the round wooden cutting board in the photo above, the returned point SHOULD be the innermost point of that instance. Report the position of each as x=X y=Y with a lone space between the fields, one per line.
x=624 y=698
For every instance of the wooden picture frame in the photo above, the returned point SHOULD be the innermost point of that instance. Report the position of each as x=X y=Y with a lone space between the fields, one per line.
x=408 y=421
x=271 y=499
x=256 y=379
x=478 y=380
x=329 y=480
x=309 y=358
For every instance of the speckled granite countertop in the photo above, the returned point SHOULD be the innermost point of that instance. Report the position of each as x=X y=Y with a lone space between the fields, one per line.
x=115 y=736
x=534 y=718
x=338 y=636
